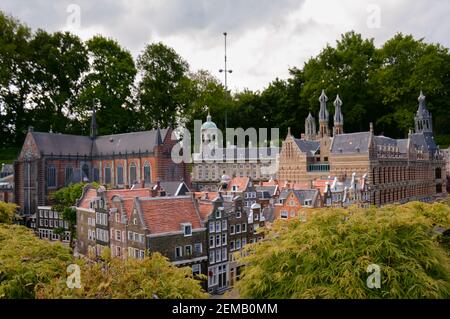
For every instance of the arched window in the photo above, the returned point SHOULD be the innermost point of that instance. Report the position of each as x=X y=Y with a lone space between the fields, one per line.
x=107 y=174
x=132 y=173
x=120 y=174
x=51 y=176
x=96 y=175
x=147 y=173
x=438 y=173
x=85 y=170
x=69 y=172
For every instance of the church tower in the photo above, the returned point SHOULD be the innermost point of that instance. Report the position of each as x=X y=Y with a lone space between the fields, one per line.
x=423 y=119
x=338 y=127
x=323 y=116
x=310 y=128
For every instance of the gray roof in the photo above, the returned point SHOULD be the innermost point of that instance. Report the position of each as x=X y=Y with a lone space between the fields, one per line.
x=240 y=153
x=269 y=189
x=307 y=146
x=424 y=140
x=128 y=142
x=303 y=194
x=351 y=143
x=172 y=188
x=54 y=143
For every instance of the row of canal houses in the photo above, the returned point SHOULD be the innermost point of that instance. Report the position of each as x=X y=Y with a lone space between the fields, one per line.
x=206 y=231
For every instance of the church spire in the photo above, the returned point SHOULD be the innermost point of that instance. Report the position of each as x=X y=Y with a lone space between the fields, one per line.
x=323 y=115
x=310 y=128
x=93 y=132
x=423 y=119
x=338 y=117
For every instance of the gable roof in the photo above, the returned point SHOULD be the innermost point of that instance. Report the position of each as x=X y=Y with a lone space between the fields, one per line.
x=66 y=144
x=166 y=214
x=174 y=188
x=240 y=182
x=307 y=146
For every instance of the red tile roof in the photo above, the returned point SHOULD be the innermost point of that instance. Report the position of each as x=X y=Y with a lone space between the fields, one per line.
x=205 y=208
x=240 y=182
x=166 y=214
x=88 y=196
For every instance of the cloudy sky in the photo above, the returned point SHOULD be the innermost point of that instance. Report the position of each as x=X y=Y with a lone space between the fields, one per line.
x=265 y=37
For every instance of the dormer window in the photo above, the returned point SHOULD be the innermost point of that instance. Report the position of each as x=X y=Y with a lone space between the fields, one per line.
x=187 y=229
x=234 y=188
x=218 y=214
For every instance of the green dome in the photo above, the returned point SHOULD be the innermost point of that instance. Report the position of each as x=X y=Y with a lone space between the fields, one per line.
x=209 y=124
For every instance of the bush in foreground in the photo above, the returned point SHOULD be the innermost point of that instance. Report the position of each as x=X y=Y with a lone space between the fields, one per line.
x=328 y=256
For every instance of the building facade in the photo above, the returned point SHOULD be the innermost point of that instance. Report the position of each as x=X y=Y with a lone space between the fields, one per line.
x=213 y=161
x=49 y=161
x=397 y=170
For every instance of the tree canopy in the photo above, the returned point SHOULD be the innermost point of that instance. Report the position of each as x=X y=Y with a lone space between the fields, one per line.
x=328 y=255
x=53 y=80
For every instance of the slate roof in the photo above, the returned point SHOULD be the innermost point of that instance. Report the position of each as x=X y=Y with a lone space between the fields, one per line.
x=54 y=143
x=425 y=141
x=303 y=194
x=271 y=190
x=174 y=188
x=243 y=153
x=350 y=143
x=307 y=146
x=166 y=214
x=66 y=144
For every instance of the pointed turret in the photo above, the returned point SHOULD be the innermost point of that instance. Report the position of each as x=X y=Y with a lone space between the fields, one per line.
x=423 y=119
x=323 y=115
x=338 y=117
x=310 y=128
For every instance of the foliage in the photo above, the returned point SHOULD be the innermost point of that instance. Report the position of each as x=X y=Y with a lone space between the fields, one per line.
x=151 y=277
x=327 y=256
x=26 y=261
x=7 y=212
x=64 y=201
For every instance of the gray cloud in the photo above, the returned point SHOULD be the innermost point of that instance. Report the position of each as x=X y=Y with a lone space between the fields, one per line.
x=266 y=36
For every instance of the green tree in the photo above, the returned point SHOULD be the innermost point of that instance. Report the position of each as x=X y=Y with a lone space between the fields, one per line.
x=27 y=262
x=328 y=255
x=59 y=60
x=163 y=87
x=109 y=82
x=151 y=277
x=15 y=75
x=7 y=212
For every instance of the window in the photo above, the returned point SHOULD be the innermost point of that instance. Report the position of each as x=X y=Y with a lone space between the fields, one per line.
x=107 y=175
x=50 y=214
x=198 y=248
x=244 y=242
x=187 y=229
x=238 y=214
x=211 y=241
x=51 y=223
x=224 y=254
x=224 y=224
x=218 y=214
x=69 y=172
x=85 y=170
x=232 y=245
x=130 y=235
x=132 y=173
x=40 y=213
x=212 y=260
x=256 y=216
x=217 y=227
x=244 y=228
x=178 y=251
x=120 y=174
x=224 y=239
x=217 y=240
x=51 y=176
x=118 y=235
x=218 y=255
x=238 y=228
x=231 y=229
x=211 y=227
x=238 y=244
x=188 y=250
x=96 y=174
x=147 y=173
x=196 y=269
x=234 y=188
